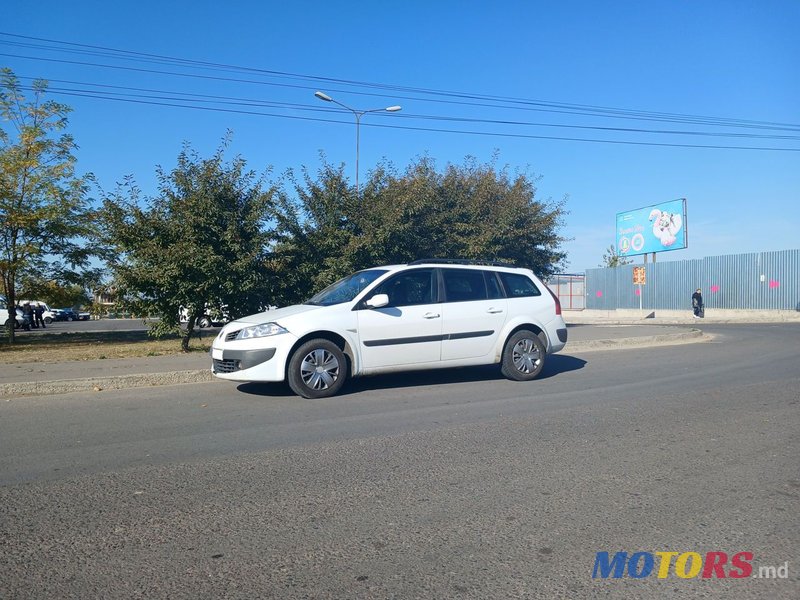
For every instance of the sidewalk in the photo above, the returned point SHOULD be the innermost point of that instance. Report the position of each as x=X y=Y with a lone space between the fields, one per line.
x=679 y=317
x=29 y=379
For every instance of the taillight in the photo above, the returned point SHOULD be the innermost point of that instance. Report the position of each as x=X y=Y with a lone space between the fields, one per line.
x=558 y=302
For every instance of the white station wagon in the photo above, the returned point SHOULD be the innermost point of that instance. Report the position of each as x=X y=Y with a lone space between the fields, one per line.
x=427 y=314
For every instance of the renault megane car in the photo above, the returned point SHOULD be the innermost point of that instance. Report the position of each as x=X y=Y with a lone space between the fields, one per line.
x=427 y=314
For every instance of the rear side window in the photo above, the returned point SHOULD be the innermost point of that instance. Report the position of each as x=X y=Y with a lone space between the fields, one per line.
x=463 y=285
x=519 y=286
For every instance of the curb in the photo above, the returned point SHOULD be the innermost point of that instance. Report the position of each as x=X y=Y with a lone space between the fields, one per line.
x=98 y=384
x=686 y=337
x=121 y=382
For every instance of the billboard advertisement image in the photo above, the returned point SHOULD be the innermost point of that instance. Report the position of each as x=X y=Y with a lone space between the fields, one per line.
x=655 y=228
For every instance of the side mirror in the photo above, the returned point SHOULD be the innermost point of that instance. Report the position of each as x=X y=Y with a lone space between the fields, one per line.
x=377 y=301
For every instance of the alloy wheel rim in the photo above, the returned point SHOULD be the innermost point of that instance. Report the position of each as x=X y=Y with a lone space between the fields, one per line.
x=319 y=369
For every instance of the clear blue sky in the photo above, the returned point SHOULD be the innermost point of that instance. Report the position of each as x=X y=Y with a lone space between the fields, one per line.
x=729 y=60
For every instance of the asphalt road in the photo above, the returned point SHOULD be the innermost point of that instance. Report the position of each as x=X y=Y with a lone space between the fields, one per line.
x=453 y=484
x=90 y=325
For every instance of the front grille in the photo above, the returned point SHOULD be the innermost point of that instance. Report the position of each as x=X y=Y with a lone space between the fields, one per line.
x=226 y=366
x=231 y=335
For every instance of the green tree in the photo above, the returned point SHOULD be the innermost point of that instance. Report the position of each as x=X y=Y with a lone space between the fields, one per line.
x=201 y=244
x=611 y=258
x=470 y=211
x=315 y=226
x=43 y=212
x=55 y=293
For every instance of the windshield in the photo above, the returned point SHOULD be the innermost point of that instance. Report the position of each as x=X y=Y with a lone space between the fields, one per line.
x=345 y=289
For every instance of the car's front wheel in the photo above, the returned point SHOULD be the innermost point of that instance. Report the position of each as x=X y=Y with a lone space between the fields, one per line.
x=523 y=356
x=204 y=322
x=317 y=369
x=47 y=320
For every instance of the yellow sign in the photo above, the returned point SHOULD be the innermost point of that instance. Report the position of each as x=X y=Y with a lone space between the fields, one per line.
x=639 y=276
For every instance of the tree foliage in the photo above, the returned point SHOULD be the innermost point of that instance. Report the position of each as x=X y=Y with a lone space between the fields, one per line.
x=217 y=237
x=472 y=211
x=201 y=244
x=611 y=258
x=43 y=212
x=55 y=293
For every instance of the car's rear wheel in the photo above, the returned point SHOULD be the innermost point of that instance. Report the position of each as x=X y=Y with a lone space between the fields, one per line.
x=317 y=369
x=204 y=322
x=523 y=356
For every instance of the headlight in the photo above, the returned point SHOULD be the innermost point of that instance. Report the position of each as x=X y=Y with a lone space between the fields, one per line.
x=257 y=331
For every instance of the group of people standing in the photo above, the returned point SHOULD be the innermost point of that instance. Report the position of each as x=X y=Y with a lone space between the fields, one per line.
x=33 y=315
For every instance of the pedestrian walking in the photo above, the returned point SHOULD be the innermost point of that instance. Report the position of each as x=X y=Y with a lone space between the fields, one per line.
x=38 y=312
x=28 y=315
x=697 y=304
x=26 y=324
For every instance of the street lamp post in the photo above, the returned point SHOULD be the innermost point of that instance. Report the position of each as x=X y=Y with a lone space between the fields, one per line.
x=358 y=114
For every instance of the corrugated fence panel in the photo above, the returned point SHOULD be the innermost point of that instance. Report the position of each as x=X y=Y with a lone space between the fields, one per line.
x=754 y=281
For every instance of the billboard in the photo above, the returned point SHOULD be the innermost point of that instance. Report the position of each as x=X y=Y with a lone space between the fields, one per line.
x=655 y=228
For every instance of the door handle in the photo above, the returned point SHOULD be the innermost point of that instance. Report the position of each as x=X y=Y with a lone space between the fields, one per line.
x=430 y=315
x=494 y=311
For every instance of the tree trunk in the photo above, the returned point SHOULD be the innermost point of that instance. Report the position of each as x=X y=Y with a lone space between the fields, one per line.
x=11 y=304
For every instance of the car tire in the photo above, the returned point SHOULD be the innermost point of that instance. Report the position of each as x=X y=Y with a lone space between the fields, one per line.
x=523 y=356
x=203 y=322
x=70 y=319
x=47 y=320
x=317 y=369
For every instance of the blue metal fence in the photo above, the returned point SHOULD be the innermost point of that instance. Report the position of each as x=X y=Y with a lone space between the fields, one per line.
x=760 y=280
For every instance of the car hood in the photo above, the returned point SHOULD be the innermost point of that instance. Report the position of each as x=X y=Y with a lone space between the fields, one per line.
x=275 y=316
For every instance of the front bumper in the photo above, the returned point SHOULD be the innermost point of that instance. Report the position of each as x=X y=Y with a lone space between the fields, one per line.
x=239 y=360
x=259 y=359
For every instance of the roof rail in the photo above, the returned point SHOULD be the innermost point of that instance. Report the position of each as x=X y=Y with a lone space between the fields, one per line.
x=461 y=261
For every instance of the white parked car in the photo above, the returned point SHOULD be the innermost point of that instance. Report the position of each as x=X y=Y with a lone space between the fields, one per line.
x=423 y=315
x=5 y=316
x=210 y=318
x=48 y=316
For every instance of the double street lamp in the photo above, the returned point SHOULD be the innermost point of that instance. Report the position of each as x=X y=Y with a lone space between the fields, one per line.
x=358 y=114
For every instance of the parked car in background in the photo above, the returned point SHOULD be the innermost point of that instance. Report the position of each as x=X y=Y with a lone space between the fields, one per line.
x=58 y=314
x=67 y=314
x=211 y=318
x=47 y=315
x=4 y=316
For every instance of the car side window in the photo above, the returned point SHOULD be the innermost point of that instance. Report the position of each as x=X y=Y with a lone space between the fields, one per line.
x=409 y=288
x=492 y=285
x=519 y=286
x=463 y=285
